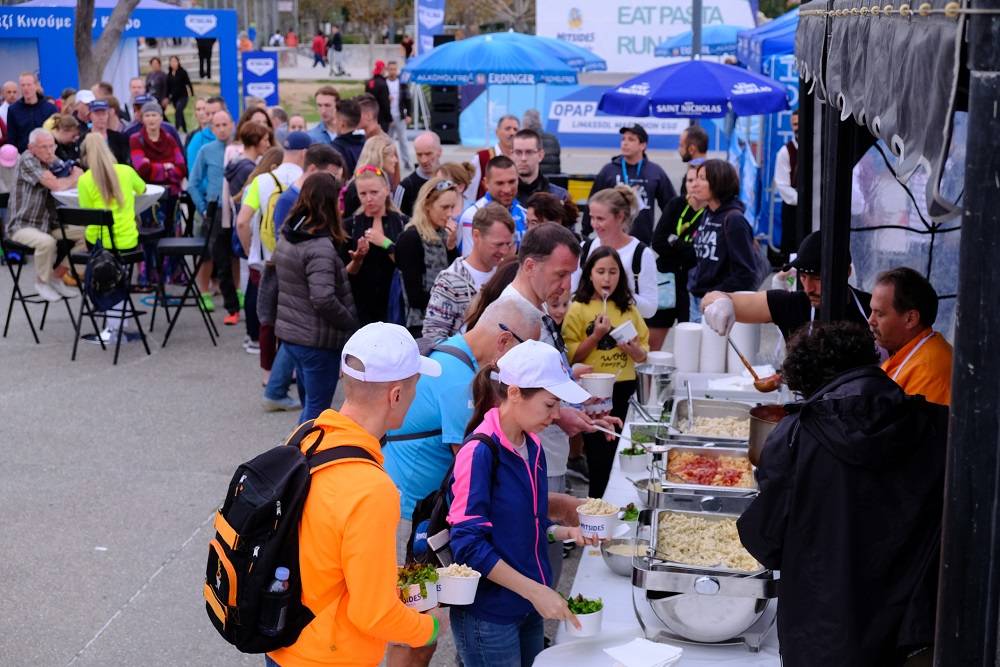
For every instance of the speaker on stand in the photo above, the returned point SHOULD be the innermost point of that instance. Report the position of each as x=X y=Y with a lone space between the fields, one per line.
x=445 y=105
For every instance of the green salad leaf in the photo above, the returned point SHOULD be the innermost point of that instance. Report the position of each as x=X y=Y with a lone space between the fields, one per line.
x=634 y=450
x=631 y=513
x=641 y=438
x=416 y=574
x=581 y=605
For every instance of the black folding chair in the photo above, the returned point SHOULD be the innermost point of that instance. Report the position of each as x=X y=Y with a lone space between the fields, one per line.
x=15 y=256
x=102 y=218
x=198 y=250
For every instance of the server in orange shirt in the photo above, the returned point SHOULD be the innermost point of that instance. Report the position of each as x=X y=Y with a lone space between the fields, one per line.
x=904 y=307
x=347 y=538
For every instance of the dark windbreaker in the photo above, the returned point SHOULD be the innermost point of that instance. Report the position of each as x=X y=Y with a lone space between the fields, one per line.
x=850 y=512
x=724 y=248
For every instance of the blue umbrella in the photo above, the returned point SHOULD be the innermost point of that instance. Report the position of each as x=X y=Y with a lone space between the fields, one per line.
x=765 y=35
x=695 y=89
x=715 y=40
x=574 y=56
x=488 y=59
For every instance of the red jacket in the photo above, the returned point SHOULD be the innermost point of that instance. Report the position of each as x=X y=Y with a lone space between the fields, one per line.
x=319 y=45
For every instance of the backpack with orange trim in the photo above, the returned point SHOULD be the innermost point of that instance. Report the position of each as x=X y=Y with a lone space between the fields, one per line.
x=257 y=532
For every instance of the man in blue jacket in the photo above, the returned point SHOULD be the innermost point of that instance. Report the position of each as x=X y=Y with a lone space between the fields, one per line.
x=633 y=168
x=27 y=113
x=213 y=105
x=205 y=187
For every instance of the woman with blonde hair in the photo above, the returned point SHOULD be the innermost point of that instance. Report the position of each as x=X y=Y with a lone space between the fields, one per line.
x=428 y=245
x=370 y=249
x=379 y=151
x=461 y=174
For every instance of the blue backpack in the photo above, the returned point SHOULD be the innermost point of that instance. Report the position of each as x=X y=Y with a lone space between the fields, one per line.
x=396 y=310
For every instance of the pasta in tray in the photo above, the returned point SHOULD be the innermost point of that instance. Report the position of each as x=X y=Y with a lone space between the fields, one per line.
x=708 y=542
x=709 y=469
x=737 y=428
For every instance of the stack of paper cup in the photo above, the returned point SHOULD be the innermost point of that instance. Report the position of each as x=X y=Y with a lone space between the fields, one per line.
x=713 y=351
x=687 y=345
x=747 y=339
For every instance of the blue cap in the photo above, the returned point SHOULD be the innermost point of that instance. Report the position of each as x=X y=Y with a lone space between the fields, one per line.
x=297 y=141
x=281 y=574
x=99 y=105
x=142 y=99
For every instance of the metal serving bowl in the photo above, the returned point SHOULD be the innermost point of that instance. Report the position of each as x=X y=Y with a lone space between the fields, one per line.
x=708 y=618
x=621 y=565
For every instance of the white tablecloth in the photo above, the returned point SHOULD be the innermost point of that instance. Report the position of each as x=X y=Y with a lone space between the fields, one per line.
x=142 y=202
x=594 y=579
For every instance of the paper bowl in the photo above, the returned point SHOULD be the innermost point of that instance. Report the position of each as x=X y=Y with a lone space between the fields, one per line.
x=659 y=358
x=590 y=625
x=412 y=598
x=638 y=463
x=597 y=526
x=456 y=590
x=623 y=333
x=599 y=385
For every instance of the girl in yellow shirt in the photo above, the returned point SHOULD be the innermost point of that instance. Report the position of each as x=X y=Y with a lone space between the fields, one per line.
x=602 y=302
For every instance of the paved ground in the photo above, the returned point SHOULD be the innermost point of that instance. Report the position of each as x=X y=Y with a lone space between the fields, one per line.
x=111 y=475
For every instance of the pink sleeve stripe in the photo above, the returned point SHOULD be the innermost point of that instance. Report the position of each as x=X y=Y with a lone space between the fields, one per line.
x=460 y=487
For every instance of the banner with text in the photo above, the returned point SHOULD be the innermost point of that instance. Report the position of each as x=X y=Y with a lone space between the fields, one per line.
x=260 y=76
x=430 y=22
x=625 y=32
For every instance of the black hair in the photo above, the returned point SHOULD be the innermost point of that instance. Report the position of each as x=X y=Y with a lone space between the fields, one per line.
x=549 y=207
x=350 y=111
x=527 y=133
x=542 y=240
x=498 y=162
x=696 y=136
x=911 y=291
x=322 y=156
x=818 y=356
x=723 y=181
x=621 y=296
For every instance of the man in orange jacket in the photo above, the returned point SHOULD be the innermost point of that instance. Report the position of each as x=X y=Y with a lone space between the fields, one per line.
x=347 y=550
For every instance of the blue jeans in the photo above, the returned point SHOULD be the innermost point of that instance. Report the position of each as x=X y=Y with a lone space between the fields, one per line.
x=317 y=370
x=695 y=309
x=270 y=663
x=280 y=378
x=484 y=644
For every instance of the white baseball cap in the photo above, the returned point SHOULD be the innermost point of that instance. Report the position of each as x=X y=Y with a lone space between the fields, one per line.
x=85 y=96
x=388 y=352
x=537 y=365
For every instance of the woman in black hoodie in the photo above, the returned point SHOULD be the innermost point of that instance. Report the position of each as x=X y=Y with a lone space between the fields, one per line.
x=723 y=245
x=316 y=314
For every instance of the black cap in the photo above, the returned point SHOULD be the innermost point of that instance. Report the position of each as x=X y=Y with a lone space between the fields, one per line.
x=637 y=130
x=810 y=255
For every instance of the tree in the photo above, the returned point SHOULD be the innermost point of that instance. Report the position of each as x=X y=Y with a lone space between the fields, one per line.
x=474 y=13
x=92 y=56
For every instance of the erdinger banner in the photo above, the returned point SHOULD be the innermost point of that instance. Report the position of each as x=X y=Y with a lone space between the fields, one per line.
x=430 y=22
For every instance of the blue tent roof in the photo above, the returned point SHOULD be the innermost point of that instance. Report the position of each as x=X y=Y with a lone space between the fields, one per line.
x=774 y=38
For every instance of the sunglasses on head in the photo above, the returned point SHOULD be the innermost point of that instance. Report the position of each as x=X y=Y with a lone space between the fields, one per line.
x=444 y=185
x=504 y=327
x=369 y=167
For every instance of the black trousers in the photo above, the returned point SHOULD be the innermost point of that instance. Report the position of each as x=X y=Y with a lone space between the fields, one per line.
x=222 y=256
x=600 y=451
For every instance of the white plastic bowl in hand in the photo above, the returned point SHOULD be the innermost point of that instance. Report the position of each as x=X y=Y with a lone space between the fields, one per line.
x=623 y=333
x=590 y=624
x=456 y=590
x=599 y=385
x=414 y=599
x=597 y=526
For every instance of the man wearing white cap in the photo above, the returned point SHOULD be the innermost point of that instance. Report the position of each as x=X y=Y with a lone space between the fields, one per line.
x=347 y=552
x=84 y=98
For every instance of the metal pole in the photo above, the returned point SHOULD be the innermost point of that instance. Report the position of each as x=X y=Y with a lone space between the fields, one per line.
x=835 y=211
x=969 y=588
x=696 y=19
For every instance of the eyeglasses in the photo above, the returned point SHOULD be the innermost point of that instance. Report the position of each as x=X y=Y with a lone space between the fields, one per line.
x=504 y=327
x=369 y=167
x=444 y=185
x=525 y=153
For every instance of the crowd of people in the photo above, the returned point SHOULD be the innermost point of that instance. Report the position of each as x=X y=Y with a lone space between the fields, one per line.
x=486 y=268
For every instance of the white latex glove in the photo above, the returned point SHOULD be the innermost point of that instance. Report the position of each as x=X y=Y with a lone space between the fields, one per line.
x=720 y=316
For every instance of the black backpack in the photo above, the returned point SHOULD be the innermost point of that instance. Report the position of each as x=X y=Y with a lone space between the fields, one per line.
x=636 y=261
x=429 y=536
x=105 y=280
x=257 y=531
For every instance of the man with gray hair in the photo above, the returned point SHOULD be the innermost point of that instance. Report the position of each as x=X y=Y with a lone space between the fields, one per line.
x=9 y=94
x=427 y=146
x=507 y=127
x=32 y=212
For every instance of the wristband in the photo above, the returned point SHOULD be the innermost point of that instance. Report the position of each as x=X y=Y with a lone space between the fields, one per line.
x=550 y=533
x=386 y=244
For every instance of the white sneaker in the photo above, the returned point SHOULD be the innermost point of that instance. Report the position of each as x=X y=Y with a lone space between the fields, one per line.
x=64 y=289
x=47 y=292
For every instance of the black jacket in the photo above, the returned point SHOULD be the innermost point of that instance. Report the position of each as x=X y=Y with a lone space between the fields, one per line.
x=540 y=184
x=315 y=303
x=675 y=252
x=724 y=247
x=652 y=187
x=551 y=163
x=118 y=143
x=411 y=188
x=179 y=85
x=380 y=91
x=850 y=511
x=350 y=146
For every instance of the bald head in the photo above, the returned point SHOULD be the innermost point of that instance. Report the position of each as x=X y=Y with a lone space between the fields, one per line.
x=427 y=146
x=9 y=91
x=489 y=342
x=222 y=126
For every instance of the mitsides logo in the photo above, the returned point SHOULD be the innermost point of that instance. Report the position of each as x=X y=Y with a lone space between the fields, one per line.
x=638 y=89
x=200 y=23
x=575 y=18
x=749 y=88
x=689 y=109
x=260 y=66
